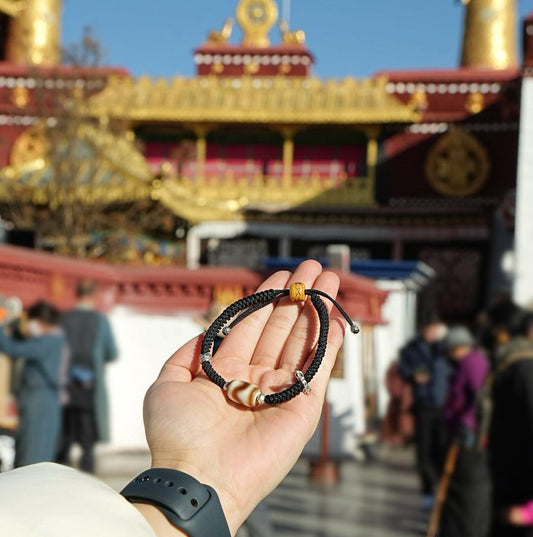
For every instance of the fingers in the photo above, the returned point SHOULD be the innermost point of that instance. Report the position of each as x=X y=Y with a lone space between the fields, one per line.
x=242 y=340
x=303 y=336
x=269 y=323
x=283 y=318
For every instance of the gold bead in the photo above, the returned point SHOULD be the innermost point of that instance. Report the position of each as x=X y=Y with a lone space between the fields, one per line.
x=297 y=292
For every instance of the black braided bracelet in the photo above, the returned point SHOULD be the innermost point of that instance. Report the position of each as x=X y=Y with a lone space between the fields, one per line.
x=246 y=393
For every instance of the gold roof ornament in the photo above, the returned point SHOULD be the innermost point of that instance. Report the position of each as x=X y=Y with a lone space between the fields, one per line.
x=257 y=17
x=291 y=37
x=221 y=36
x=247 y=99
x=489 y=39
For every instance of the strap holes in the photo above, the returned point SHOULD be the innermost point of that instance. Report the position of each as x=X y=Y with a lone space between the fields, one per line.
x=157 y=480
x=183 y=491
x=194 y=502
x=145 y=478
x=169 y=483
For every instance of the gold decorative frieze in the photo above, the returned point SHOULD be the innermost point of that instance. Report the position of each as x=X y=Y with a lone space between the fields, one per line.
x=199 y=200
x=250 y=99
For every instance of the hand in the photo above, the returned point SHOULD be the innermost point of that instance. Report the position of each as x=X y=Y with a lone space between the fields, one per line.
x=242 y=453
x=422 y=378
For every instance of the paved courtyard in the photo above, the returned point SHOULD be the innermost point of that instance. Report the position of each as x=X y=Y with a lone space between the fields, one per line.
x=379 y=499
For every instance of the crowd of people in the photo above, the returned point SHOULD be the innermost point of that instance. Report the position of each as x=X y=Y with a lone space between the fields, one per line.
x=61 y=391
x=473 y=411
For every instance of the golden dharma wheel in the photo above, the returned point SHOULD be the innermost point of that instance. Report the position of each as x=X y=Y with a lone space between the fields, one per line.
x=458 y=164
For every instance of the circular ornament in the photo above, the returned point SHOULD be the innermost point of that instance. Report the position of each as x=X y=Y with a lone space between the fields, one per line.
x=457 y=164
x=256 y=18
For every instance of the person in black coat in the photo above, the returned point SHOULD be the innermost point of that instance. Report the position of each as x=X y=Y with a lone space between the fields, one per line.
x=511 y=432
x=424 y=366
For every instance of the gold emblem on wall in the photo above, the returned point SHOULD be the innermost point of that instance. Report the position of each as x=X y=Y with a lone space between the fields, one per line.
x=257 y=17
x=457 y=164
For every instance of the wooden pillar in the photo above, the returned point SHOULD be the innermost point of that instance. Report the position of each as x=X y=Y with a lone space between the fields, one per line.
x=397 y=250
x=372 y=152
x=288 y=155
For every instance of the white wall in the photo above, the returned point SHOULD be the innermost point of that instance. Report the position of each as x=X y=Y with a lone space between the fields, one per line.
x=399 y=313
x=347 y=406
x=523 y=283
x=145 y=342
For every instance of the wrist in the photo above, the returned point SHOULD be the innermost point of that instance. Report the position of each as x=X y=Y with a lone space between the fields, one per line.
x=235 y=515
x=158 y=521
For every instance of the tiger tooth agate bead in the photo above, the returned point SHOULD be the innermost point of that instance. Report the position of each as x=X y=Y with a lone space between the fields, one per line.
x=244 y=393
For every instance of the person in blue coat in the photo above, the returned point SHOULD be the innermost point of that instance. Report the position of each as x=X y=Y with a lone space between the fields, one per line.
x=45 y=355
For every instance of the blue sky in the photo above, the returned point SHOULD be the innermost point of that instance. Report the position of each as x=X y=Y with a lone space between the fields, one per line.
x=348 y=37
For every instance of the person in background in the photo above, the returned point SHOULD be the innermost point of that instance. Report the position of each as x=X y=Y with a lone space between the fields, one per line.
x=467 y=506
x=424 y=366
x=45 y=353
x=511 y=430
x=92 y=346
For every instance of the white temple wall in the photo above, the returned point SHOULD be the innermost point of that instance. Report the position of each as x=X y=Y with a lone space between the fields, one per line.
x=523 y=276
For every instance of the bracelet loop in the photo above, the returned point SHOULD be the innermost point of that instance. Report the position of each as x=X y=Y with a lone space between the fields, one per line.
x=243 y=392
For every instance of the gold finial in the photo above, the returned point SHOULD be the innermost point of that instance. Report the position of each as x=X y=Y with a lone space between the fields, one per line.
x=34 y=34
x=489 y=34
x=221 y=36
x=257 y=17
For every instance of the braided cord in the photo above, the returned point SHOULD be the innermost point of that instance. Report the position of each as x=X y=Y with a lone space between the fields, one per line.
x=244 y=307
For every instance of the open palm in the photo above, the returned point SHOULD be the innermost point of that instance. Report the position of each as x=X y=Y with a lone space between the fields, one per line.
x=242 y=453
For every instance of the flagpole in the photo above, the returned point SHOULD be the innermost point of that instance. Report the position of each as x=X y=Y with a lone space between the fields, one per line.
x=286 y=12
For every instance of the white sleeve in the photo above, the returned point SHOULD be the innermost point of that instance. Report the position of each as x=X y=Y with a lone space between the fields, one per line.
x=49 y=500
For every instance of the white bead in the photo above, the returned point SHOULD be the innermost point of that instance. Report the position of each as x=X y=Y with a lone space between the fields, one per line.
x=243 y=393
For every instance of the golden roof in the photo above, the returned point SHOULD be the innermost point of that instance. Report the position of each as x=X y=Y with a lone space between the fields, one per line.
x=248 y=99
x=105 y=168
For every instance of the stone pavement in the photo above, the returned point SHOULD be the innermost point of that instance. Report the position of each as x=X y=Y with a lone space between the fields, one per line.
x=378 y=499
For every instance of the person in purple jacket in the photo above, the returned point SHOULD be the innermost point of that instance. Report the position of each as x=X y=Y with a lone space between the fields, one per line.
x=466 y=511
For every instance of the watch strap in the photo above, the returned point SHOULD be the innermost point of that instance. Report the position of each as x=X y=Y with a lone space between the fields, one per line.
x=188 y=504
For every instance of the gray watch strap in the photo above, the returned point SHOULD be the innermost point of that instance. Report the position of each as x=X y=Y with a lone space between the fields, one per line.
x=187 y=503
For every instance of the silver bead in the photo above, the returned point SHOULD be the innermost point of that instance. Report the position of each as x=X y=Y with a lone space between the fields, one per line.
x=226 y=330
x=354 y=328
x=205 y=358
x=301 y=377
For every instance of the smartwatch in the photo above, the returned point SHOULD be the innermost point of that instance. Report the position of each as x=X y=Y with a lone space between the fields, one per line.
x=188 y=504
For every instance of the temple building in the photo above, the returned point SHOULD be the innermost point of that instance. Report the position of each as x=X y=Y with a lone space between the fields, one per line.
x=255 y=158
